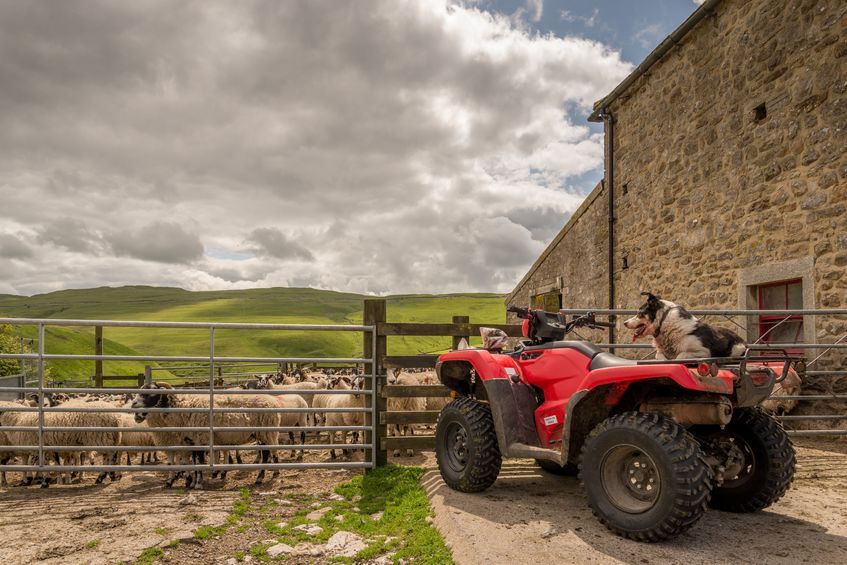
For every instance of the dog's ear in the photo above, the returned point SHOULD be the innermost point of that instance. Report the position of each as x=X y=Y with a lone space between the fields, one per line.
x=651 y=298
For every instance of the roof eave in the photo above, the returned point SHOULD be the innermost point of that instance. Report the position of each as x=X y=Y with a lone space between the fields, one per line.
x=669 y=42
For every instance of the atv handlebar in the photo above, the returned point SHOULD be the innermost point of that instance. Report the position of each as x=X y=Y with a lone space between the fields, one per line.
x=522 y=313
x=555 y=324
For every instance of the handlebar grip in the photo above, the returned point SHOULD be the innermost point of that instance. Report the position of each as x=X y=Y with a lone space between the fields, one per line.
x=521 y=312
x=603 y=324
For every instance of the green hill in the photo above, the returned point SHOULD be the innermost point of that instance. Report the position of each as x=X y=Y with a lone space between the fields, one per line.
x=275 y=305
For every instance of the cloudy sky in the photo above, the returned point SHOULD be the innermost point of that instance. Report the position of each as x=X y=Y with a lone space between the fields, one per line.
x=379 y=146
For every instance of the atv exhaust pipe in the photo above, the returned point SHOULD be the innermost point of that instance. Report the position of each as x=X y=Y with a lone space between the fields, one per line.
x=717 y=411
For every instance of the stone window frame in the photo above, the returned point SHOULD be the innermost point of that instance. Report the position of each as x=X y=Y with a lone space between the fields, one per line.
x=750 y=278
x=555 y=286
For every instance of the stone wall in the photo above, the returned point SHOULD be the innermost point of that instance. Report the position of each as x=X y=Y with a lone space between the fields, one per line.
x=730 y=159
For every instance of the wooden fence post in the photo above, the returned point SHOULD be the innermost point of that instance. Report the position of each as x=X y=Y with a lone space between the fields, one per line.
x=458 y=338
x=98 y=350
x=148 y=374
x=373 y=315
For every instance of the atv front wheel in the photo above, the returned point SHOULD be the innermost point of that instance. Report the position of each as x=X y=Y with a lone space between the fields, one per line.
x=645 y=476
x=466 y=446
x=760 y=464
x=567 y=470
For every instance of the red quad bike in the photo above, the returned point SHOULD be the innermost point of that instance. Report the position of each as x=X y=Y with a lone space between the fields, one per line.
x=655 y=442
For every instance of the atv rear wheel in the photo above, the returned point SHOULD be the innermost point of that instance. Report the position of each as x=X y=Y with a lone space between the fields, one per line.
x=645 y=476
x=555 y=469
x=466 y=446
x=763 y=458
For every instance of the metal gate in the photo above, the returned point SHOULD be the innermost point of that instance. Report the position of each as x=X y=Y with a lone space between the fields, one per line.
x=825 y=360
x=39 y=438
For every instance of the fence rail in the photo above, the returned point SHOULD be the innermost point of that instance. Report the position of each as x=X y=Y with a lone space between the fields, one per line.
x=41 y=438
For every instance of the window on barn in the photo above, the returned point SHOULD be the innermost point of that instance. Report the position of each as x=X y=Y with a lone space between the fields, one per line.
x=781 y=328
x=548 y=301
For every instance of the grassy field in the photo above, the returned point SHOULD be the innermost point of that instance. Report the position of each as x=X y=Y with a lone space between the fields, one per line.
x=276 y=305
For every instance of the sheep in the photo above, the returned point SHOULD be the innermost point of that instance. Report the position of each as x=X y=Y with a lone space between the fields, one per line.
x=322 y=400
x=70 y=437
x=141 y=439
x=293 y=418
x=6 y=453
x=354 y=400
x=790 y=386
x=433 y=403
x=257 y=420
x=265 y=382
x=416 y=404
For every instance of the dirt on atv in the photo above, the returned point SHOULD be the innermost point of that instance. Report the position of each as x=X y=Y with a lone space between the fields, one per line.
x=530 y=516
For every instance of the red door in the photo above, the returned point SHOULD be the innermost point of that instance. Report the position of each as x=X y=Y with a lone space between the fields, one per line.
x=781 y=328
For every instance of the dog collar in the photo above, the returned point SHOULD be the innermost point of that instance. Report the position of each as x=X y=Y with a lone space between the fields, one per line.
x=662 y=321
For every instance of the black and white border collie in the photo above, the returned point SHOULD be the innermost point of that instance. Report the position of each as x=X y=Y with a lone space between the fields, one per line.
x=679 y=335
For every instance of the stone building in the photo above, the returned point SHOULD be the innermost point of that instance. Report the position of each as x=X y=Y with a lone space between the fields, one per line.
x=725 y=179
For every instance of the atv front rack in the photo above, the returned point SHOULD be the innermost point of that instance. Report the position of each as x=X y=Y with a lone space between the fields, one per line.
x=748 y=390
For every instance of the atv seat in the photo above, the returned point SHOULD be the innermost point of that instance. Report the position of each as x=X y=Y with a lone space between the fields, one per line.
x=606 y=360
x=587 y=349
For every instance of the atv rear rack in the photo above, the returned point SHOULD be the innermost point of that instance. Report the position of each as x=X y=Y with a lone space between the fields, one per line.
x=739 y=362
x=746 y=388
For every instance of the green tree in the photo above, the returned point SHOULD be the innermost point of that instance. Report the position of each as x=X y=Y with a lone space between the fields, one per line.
x=9 y=343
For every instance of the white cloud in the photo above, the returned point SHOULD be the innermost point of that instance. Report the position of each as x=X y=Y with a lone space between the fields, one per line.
x=536 y=9
x=382 y=146
x=587 y=21
x=649 y=35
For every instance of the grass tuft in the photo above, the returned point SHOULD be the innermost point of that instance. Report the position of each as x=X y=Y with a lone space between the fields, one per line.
x=150 y=555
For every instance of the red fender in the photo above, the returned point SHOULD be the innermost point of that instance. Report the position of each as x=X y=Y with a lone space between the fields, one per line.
x=680 y=374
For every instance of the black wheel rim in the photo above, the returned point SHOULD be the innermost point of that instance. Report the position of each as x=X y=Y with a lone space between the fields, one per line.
x=740 y=462
x=630 y=479
x=456 y=446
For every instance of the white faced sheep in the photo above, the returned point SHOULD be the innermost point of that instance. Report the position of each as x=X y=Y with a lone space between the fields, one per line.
x=338 y=419
x=257 y=421
x=790 y=386
x=413 y=404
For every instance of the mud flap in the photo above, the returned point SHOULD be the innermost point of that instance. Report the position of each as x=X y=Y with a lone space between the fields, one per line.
x=513 y=407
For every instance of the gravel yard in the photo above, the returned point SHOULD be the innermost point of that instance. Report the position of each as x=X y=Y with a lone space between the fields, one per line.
x=529 y=516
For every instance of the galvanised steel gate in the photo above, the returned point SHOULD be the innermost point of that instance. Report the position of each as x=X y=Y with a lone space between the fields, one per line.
x=44 y=433
x=825 y=359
